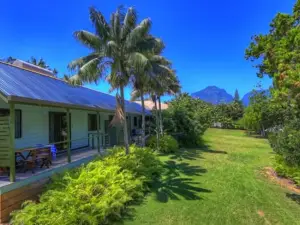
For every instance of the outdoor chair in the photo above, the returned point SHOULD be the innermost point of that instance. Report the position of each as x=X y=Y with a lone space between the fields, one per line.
x=30 y=162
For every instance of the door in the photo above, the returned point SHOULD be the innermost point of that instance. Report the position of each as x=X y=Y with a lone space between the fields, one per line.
x=58 y=129
x=111 y=132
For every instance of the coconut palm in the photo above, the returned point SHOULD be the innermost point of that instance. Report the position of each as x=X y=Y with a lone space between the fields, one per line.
x=153 y=79
x=145 y=73
x=38 y=62
x=168 y=85
x=112 y=46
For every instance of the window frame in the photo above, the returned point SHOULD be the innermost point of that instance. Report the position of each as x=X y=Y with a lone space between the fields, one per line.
x=90 y=129
x=135 y=121
x=18 y=124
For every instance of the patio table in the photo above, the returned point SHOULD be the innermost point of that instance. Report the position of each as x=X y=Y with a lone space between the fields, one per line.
x=31 y=156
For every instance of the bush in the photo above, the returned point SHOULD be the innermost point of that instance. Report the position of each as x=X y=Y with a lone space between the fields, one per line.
x=286 y=143
x=282 y=169
x=93 y=194
x=167 y=144
x=187 y=119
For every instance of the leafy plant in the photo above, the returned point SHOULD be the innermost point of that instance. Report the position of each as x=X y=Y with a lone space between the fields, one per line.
x=284 y=170
x=97 y=193
x=286 y=143
x=167 y=144
x=187 y=119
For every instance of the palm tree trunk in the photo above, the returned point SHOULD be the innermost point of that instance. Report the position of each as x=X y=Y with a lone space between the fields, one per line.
x=125 y=121
x=143 y=118
x=160 y=117
x=157 y=122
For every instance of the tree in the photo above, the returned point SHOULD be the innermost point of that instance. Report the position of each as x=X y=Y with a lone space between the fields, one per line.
x=38 y=62
x=278 y=53
x=9 y=59
x=113 y=46
x=187 y=119
x=42 y=63
x=144 y=76
x=236 y=96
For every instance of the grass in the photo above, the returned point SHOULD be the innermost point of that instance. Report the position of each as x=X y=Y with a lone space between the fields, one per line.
x=221 y=183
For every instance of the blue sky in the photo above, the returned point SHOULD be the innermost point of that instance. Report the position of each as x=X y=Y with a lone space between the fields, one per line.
x=204 y=39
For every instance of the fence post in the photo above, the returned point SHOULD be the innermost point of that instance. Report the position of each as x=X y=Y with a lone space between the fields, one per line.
x=68 y=135
x=98 y=131
x=12 y=173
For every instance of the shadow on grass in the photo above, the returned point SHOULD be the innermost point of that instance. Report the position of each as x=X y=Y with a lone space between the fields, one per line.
x=187 y=154
x=207 y=149
x=294 y=197
x=175 y=183
x=173 y=187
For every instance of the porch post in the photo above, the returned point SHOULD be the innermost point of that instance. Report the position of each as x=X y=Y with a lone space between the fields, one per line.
x=12 y=174
x=68 y=135
x=98 y=131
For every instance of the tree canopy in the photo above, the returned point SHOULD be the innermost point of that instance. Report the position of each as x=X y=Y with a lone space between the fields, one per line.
x=278 y=53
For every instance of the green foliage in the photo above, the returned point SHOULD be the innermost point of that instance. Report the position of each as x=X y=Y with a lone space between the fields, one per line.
x=284 y=170
x=187 y=118
x=263 y=113
x=286 y=143
x=277 y=54
x=93 y=194
x=227 y=114
x=167 y=144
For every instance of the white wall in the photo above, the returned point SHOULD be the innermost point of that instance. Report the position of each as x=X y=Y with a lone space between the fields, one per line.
x=35 y=125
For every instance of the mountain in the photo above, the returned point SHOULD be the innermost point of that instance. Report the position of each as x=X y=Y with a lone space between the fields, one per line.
x=246 y=98
x=214 y=95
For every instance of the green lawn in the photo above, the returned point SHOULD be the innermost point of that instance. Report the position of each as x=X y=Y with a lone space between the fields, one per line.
x=219 y=184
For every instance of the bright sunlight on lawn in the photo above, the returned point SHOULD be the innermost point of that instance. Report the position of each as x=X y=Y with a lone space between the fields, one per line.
x=221 y=183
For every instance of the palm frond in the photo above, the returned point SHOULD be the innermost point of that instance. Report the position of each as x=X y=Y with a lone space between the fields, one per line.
x=73 y=80
x=139 y=33
x=138 y=61
x=117 y=25
x=89 y=39
x=129 y=22
x=78 y=63
x=90 y=71
x=101 y=26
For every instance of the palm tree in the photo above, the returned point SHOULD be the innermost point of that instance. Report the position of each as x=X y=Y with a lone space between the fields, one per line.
x=112 y=46
x=149 y=73
x=154 y=79
x=168 y=85
x=42 y=63
x=38 y=62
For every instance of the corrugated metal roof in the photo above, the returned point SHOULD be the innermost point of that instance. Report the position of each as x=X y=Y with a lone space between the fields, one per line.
x=17 y=82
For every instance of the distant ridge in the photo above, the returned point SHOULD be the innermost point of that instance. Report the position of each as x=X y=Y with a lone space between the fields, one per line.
x=213 y=95
x=216 y=95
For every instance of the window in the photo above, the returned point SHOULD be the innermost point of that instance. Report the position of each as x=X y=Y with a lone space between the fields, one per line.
x=140 y=122
x=135 y=121
x=18 y=121
x=92 y=120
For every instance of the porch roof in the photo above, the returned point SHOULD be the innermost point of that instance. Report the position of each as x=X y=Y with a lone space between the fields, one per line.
x=23 y=86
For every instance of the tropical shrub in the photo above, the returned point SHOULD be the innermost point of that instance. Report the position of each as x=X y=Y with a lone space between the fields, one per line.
x=151 y=142
x=93 y=194
x=286 y=143
x=167 y=144
x=187 y=119
x=284 y=170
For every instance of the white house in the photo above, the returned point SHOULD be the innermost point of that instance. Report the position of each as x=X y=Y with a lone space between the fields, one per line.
x=41 y=104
